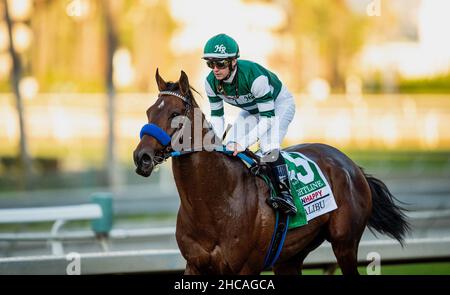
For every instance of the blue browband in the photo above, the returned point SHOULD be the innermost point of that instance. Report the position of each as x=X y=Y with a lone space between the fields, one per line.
x=156 y=132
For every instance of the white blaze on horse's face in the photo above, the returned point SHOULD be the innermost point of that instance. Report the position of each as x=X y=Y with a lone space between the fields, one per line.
x=161 y=105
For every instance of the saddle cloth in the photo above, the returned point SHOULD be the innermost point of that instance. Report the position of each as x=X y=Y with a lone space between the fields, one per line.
x=309 y=188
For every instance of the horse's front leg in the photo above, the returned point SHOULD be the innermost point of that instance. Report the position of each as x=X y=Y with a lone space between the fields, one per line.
x=249 y=269
x=191 y=269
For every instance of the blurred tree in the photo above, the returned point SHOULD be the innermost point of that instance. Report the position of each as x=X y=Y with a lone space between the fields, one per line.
x=327 y=35
x=112 y=43
x=69 y=51
x=147 y=29
x=16 y=75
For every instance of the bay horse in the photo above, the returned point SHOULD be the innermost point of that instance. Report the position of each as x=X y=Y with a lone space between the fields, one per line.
x=224 y=225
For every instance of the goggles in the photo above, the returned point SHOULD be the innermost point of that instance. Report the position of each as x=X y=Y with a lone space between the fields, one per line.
x=220 y=64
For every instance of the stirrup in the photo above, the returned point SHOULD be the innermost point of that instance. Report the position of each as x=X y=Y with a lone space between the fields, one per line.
x=283 y=205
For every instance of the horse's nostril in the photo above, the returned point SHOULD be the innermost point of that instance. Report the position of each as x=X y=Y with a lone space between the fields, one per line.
x=146 y=159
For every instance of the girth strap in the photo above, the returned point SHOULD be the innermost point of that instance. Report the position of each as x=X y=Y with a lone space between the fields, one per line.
x=278 y=238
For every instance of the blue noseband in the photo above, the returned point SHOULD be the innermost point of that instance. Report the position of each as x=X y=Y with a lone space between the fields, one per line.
x=156 y=132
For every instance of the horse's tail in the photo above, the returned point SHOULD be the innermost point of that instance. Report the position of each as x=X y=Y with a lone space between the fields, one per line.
x=387 y=217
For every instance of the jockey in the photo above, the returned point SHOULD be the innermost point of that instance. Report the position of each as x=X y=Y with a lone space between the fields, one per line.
x=267 y=109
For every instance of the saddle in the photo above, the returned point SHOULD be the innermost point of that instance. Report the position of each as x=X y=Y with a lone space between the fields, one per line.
x=257 y=167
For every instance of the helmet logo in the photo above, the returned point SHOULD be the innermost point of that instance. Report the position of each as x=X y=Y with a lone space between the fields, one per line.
x=220 y=48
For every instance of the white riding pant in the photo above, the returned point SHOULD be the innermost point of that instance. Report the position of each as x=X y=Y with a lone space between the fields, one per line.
x=272 y=138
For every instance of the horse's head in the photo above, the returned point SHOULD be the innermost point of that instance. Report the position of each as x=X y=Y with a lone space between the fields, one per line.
x=175 y=101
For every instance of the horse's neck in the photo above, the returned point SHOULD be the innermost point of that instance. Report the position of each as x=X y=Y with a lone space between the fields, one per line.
x=210 y=182
x=211 y=185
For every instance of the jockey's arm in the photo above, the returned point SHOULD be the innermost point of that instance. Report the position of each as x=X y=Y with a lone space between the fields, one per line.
x=264 y=124
x=266 y=108
x=216 y=106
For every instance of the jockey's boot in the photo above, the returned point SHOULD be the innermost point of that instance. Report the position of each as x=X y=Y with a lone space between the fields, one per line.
x=280 y=179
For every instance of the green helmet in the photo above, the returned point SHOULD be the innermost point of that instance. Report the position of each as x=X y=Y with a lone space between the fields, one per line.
x=220 y=47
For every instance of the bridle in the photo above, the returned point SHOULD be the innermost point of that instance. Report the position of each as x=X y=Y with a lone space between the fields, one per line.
x=162 y=136
x=165 y=139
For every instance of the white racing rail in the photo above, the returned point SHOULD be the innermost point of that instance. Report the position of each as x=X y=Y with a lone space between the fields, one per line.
x=58 y=215
x=170 y=260
x=100 y=213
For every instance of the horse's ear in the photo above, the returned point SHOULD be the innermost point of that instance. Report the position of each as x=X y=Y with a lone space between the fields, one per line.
x=184 y=84
x=162 y=85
